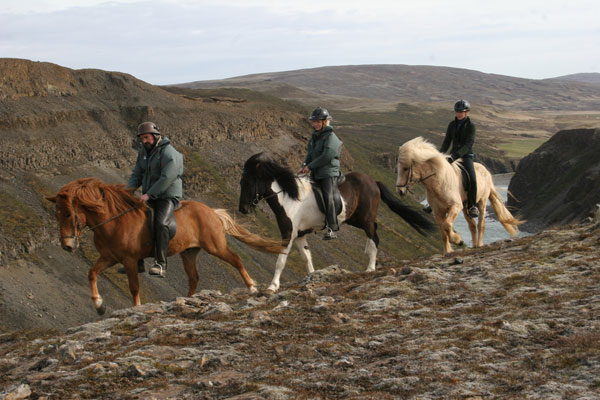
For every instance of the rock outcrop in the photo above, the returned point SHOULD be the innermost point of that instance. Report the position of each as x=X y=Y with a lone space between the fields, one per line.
x=515 y=319
x=559 y=183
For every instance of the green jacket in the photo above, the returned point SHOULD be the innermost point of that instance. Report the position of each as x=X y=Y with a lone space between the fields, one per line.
x=462 y=139
x=159 y=173
x=323 y=154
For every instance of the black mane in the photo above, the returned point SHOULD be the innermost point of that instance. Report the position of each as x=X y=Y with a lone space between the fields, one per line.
x=262 y=167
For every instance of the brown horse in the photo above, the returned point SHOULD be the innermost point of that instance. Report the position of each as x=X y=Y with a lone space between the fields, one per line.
x=121 y=232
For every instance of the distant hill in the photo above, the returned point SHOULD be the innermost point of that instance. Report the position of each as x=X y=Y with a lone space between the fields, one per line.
x=589 y=77
x=408 y=83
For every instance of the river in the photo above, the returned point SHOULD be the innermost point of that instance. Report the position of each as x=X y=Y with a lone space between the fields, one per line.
x=493 y=229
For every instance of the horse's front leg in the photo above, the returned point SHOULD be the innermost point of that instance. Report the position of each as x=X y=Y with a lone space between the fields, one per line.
x=445 y=220
x=100 y=265
x=279 y=266
x=302 y=245
x=481 y=223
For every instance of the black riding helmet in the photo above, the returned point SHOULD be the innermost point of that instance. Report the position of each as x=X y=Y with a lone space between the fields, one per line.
x=462 y=105
x=320 y=114
x=148 y=127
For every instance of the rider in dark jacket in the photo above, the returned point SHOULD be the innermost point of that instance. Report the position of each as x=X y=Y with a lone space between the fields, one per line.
x=461 y=134
x=323 y=162
x=158 y=170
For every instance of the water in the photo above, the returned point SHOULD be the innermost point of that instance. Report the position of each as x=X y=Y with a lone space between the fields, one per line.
x=494 y=231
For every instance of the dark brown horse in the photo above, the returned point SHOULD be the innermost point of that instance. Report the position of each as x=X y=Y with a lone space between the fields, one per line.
x=121 y=232
x=292 y=200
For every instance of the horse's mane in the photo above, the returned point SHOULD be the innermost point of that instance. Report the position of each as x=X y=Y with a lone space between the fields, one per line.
x=264 y=168
x=97 y=196
x=419 y=150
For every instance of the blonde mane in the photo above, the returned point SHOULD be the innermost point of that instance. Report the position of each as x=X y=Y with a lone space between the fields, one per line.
x=419 y=151
x=98 y=196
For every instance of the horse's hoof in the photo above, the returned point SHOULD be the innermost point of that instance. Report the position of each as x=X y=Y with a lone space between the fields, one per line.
x=370 y=269
x=253 y=290
x=270 y=291
x=101 y=310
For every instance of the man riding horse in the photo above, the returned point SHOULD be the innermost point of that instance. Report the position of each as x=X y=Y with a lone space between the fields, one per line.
x=323 y=163
x=158 y=170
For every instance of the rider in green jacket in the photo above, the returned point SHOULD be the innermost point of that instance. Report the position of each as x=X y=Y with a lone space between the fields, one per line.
x=323 y=163
x=158 y=170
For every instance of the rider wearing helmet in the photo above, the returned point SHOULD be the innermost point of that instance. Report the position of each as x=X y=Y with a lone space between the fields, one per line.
x=323 y=163
x=461 y=134
x=158 y=170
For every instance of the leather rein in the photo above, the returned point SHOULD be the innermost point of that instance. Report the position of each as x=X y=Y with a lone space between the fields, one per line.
x=409 y=181
x=78 y=230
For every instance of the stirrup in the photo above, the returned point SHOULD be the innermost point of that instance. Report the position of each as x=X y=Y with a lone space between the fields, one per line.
x=157 y=270
x=329 y=235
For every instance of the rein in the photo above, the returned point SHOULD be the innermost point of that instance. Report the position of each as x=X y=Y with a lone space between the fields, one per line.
x=258 y=197
x=409 y=180
x=81 y=230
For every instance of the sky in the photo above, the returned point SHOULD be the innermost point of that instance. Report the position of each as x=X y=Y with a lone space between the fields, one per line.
x=177 y=41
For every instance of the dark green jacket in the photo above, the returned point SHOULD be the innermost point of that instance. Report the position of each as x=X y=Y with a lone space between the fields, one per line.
x=462 y=140
x=159 y=173
x=323 y=153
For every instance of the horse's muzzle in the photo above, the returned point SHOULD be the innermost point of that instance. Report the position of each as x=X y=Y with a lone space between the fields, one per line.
x=69 y=245
x=401 y=190
x=244 y=209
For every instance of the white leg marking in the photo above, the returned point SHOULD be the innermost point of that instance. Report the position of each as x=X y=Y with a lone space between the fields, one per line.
x=371 y=250
x=302 y=245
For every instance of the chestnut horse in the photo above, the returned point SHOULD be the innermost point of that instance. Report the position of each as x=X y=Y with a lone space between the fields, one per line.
x=420 y=162
x=121 y=232
x=292 y=200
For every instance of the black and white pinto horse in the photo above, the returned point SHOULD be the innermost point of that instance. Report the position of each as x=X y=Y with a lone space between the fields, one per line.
x=292 y=200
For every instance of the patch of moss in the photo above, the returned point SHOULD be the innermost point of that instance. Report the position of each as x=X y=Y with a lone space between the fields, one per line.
x=18 y=221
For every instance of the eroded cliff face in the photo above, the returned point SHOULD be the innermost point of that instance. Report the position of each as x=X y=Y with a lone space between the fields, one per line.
x=559 y=183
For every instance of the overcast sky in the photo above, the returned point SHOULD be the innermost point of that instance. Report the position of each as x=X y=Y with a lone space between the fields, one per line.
x=175 y=41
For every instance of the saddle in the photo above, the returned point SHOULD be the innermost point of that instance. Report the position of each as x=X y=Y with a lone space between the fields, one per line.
x=172 y=223
x=337 y=198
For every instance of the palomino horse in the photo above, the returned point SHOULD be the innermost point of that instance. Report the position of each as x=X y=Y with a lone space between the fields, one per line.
x=292 y=200
x=121 y=232
x=420 y=162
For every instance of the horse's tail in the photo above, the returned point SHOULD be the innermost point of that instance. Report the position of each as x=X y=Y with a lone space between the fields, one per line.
x=510 y=223
x=242 y=234
x=416 y=219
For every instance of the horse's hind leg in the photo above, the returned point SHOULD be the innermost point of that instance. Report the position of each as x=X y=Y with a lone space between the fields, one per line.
x=225 y=254
x=100 y=265
x=371 y=246
x=481 y=223
x=131 y=266
x=472 y=228
x=189 y=264
x=302 y=245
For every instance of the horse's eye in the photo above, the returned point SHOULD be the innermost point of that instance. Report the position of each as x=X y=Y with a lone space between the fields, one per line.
x=68 y=214
x=405 y=168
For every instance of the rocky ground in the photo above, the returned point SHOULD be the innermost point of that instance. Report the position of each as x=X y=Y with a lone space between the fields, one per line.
x=515 y=319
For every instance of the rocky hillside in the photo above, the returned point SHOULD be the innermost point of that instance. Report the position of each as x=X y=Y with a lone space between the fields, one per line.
x=559 y=182
x=58 y=124
x=513 y=320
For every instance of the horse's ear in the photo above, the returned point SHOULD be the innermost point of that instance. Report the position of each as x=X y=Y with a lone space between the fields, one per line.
x=52 y=199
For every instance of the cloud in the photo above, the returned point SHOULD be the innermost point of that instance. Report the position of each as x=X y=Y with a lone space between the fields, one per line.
x=170 y=41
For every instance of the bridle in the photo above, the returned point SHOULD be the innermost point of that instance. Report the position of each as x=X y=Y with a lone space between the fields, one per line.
x=78 y=230
x=409 y=181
